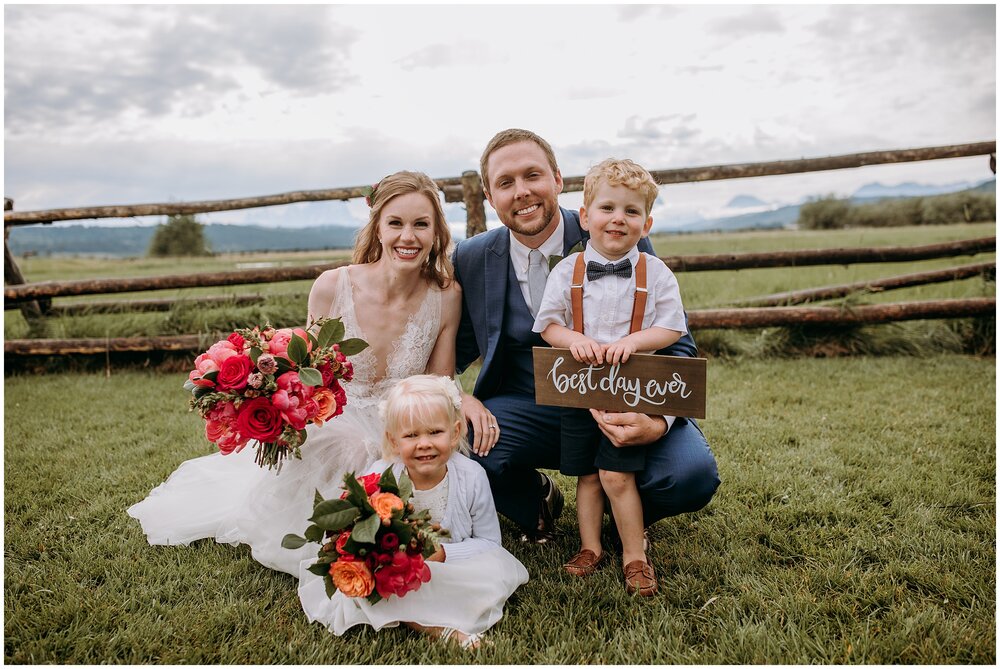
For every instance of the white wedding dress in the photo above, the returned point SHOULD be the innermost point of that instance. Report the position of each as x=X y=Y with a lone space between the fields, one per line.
x=233 y=500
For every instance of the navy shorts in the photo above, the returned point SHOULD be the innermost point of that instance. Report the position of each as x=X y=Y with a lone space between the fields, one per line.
x=584 y=449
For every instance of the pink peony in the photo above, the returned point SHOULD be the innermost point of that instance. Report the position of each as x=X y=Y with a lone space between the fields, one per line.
x=278 y=345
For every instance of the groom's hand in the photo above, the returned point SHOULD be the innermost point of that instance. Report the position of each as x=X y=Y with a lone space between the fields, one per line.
x=485 y=429
x=629 y=428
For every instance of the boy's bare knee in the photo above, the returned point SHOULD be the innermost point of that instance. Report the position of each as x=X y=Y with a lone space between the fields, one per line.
x=588 y=481
x=616 y=482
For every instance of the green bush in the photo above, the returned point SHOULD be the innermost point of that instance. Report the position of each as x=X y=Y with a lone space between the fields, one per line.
x=829 y=212
x=181 y=236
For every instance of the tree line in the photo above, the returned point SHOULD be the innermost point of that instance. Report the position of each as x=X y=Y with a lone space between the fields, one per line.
x=830 y=212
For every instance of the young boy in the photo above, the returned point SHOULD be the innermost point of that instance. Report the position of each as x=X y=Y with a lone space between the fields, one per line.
x=630 y=303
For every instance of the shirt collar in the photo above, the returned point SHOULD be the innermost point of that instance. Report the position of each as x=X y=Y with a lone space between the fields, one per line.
x=590 y=253
x=551 y=246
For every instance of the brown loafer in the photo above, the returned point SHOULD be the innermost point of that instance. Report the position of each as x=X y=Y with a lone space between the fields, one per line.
x=584 y=563
x=639 y=578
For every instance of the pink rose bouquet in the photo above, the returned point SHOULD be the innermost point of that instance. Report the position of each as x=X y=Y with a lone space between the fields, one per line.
x=265 y=385
x=373 y=542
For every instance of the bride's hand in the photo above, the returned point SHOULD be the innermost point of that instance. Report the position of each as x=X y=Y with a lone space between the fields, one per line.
x=484 y=424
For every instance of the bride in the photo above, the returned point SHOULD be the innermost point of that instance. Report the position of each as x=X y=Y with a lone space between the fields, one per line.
x=399 y=297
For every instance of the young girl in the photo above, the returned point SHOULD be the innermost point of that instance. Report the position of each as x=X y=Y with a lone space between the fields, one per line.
x=472 y=575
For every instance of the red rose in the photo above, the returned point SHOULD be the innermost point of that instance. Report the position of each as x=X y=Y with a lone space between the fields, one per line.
x=233 y=372
x=370 y=482
x=342 y=541
x=259 y=419
x=405 y=574
x=237 y=340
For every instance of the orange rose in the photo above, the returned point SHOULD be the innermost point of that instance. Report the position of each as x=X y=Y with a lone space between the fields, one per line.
x=385 y=503
x=327 y=403
x=352 y=578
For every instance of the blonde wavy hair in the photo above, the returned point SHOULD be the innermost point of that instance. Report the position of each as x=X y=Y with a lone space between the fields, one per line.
x=620 y=173
x=368 y=248
x=418 y=400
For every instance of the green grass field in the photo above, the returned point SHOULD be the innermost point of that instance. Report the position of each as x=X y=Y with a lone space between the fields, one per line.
x=855 y=524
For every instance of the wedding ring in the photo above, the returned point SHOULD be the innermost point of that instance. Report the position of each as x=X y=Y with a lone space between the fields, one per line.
x=493 y=427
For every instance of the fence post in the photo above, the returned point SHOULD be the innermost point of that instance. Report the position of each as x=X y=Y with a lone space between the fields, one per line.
x=475 y=210
x=12 y=275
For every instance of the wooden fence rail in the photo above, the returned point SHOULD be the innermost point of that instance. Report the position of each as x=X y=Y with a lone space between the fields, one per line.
x=698 y=319
x=800 y=258
x=453 y=189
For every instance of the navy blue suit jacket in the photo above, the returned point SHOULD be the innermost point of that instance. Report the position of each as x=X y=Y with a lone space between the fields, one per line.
x=481 y=265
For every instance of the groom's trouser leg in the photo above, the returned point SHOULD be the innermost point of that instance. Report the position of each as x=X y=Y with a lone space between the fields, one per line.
x=529 y=440
x=680 y=475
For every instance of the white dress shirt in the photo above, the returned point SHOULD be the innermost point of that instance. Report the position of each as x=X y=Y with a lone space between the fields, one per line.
x=607 y=302
x=519 y=256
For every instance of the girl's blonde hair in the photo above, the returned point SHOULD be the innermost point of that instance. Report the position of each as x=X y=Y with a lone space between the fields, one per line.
x=417 y=400
x=368 y=248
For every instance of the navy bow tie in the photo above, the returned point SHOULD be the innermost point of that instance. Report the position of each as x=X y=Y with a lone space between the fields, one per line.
x=596 y=270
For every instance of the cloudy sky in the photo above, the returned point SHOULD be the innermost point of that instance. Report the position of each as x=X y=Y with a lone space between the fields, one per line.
x=156 y=103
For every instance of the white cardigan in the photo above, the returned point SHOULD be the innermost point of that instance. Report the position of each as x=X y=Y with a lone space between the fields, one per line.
x=470 y=516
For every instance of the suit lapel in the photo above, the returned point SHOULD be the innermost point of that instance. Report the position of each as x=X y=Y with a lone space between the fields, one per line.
x=572 y=232
x=497 y=262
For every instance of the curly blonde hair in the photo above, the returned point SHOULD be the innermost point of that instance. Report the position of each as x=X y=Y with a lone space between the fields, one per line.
x=368 y=248
x=620 y=173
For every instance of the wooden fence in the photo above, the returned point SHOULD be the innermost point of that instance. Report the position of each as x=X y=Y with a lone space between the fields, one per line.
x=35 y=299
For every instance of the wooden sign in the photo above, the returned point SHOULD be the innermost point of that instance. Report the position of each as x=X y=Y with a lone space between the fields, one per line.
x=650 y=384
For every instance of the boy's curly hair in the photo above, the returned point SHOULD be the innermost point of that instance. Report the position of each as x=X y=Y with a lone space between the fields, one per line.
x=620 y=173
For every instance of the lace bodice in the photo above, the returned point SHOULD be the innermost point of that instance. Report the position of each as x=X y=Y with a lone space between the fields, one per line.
x=409 y=354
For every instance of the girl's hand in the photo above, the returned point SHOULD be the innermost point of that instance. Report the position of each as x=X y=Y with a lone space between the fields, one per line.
x=587 y=350
x=436 y=556
x=484 y=425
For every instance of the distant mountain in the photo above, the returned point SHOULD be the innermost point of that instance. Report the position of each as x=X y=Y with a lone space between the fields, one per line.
x=787 y=216
x=133 y=241
x=745 y=202
x=908 y=189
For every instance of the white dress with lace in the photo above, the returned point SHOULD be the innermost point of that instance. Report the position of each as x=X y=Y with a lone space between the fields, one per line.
x=231 y=499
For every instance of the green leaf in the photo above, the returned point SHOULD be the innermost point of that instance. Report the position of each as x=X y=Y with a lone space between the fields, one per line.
x=293 y=541
x=189 y=385
x=577 y=248
x=331 y=589
x=255 y=352
x=317 y=498
x=320 y=569
x=388 y=482
x=364 y=531
x=298 y=352
x=314 y=533
x=283 y=366
x=201 y=391
x=554 y=260
x=332 y=331
x=405 y=487
x=403 y=530
x=356 y=493
x=310 y=376
x=374 y=598
x=211 y=376
x=334 y=514
x=353 y=346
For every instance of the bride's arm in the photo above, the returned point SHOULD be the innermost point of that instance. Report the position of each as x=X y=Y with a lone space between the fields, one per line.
x=321 y=295
x=442 y=360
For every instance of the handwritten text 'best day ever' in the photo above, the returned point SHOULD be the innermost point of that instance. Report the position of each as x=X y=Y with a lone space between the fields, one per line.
x=652 y=384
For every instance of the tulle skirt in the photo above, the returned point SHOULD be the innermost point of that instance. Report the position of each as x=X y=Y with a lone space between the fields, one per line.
x=233 y=500
x=467 y=595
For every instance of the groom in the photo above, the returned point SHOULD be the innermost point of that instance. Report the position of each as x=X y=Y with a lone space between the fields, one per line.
x=522 y=183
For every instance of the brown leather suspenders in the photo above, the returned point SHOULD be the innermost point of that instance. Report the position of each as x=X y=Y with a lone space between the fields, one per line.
x=638 y=304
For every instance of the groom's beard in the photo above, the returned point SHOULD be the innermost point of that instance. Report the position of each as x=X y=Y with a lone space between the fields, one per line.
x=548 y=215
